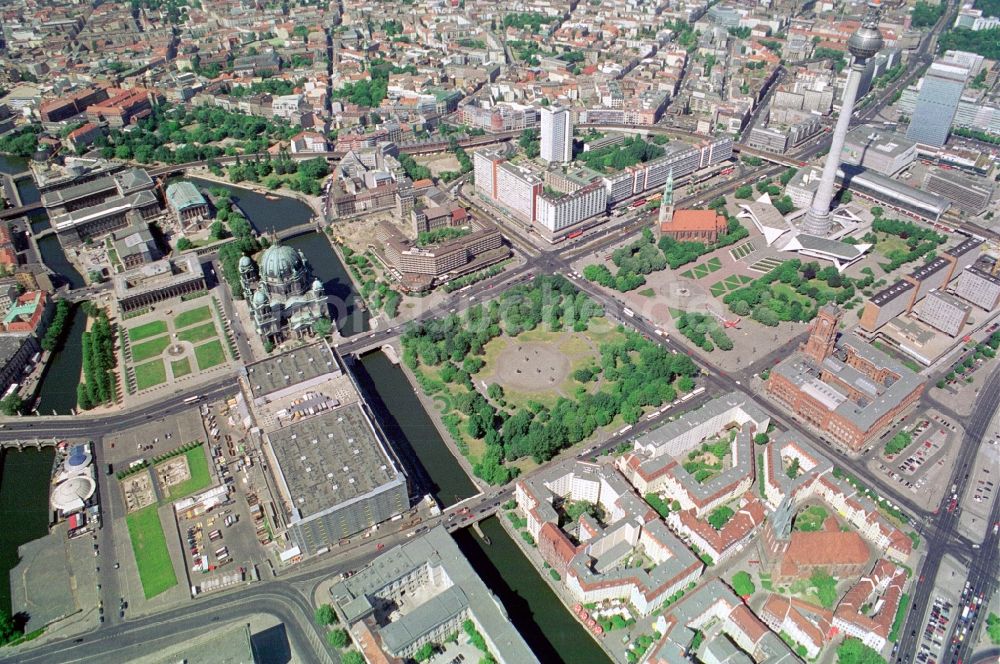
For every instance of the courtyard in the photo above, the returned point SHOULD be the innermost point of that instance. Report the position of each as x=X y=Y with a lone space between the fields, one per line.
x=162 y=348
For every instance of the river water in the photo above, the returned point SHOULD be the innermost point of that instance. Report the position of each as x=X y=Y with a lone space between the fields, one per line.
x=548 y=627
x=55 y=259
x=58 y=389
x=12 y=165
x=265 y=215
x=24 y=506
x=411 y=431
x=544 y=622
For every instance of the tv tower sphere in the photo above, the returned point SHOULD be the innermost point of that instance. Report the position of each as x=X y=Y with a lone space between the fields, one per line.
x=863 y=44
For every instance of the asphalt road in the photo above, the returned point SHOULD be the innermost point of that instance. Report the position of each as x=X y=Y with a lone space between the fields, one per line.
x=940 y=534
x=280 y=599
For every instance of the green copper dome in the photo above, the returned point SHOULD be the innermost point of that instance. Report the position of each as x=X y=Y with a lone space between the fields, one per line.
x=280 y=263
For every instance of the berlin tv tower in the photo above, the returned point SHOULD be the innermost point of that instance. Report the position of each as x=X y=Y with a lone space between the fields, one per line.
x=863 y=44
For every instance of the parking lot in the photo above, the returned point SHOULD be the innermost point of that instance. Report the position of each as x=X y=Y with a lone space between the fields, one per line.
x=921 y=468
x=153 y=437
x=935 y=634
x=981 y=481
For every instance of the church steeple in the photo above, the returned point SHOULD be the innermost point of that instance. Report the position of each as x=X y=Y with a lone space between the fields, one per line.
x=667 y=202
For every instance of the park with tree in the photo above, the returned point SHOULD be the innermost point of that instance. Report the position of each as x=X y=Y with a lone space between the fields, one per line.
x=793 y=291
x=645 y=256
x=496 y=426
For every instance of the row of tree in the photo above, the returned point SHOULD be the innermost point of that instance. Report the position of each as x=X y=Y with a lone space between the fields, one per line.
x=99 y=362
x=245 y=242
x=704 y=331
x=58 y=327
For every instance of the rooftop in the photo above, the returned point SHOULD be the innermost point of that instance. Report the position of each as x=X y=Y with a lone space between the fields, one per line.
x=183 y=195
x=330 y=458
x=466 y=591
x=299 y=365
x=890 y=293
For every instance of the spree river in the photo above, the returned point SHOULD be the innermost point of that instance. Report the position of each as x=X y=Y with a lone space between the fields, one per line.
x=24 y=506
x=548 y=627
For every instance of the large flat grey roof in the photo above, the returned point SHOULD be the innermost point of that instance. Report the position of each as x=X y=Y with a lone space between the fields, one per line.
x=886 y=143
x=296 y=366
x=890 y=293
x=433 y=550
x=330 y=458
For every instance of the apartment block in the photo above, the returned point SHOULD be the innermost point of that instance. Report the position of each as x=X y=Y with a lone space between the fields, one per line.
x=979 y=287
x=944 y=312
x=601 y=566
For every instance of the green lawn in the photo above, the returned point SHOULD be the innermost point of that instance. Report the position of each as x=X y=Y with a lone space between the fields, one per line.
x=647 y=292
x=778 y=288
x=209 y=354
x=193 y=316
x=730 y=283
x=146 y=330
x=181 y=367
x=199 y=333
x=150 y=373
x=200 y=477
x=149 y=546
x=889 y=243
x=687 y=274
x=149 y=349
x=810 y=519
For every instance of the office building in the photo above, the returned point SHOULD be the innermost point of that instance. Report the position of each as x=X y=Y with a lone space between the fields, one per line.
x=971 y=195
x=868 y=610
x=421 y=592
x=135 y=245
x=513 y=187
x=188 y=205
x=498 y=118
x=595 y=567
x=418 y=267
x=944 y=312
x=333 y=472
x=890 y=193
x=712 y=624
x=844 y=387
x=937 y=103
x=559 y=210
x=936 y=274
x=884 y=152
x=557 y=134
x=979 y=287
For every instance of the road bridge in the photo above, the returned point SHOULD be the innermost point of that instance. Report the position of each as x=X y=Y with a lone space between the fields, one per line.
x=13 y=213
x=27 y=444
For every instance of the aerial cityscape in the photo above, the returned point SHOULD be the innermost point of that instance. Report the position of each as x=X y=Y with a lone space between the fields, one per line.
x=452 y=331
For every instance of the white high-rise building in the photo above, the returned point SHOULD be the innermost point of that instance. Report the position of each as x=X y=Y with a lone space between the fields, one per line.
x=557 y=134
